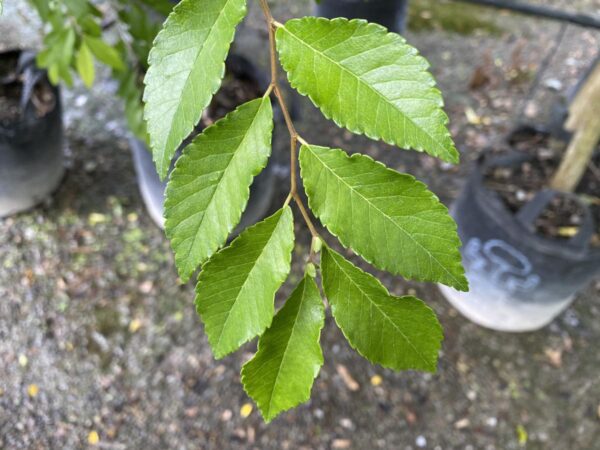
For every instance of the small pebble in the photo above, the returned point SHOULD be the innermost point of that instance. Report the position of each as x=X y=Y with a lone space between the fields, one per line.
x=96 y=218
x=376 y=380
x=347 y=378
x=341 y=443
x=135 y=325
x=421 y=441
x=226 y=416
x=491 y=422
x=23 y=360
x=462 y=423
x=33 y=390
x=346 y=423
x=553 y=84
x=246 y=410
x=93 y=438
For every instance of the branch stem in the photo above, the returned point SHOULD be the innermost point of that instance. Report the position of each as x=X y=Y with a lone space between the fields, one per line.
x=272 y=24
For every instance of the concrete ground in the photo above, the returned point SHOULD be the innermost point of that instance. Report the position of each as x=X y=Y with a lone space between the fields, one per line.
x=98 y=339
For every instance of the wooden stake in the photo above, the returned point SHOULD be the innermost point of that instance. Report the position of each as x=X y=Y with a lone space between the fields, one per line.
x=584 y=121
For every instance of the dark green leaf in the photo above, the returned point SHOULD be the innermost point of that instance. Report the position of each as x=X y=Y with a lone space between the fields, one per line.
x=236 y=288
x=389 y=218
x=210 y=185
x=186 y=68
x=397 y=332
x=367 y=80
x=281 y=374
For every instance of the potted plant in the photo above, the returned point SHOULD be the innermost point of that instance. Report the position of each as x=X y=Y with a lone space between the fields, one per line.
x=529 y=219
x=389 y=13
x=120 y=36
x=31 y=133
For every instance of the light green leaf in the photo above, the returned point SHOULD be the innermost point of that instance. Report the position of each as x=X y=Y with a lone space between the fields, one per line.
x=281 y=374
x=388 y=218
x=397 y=332
x=236 y=288
x=43 y=8
x=187 y=64
x=210 y=185
x=85 y=64
x=57 y=54
x=104 y=52
x=367 y=80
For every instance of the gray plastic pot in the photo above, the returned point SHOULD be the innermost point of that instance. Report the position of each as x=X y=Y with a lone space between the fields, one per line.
x=31 y=147
x=389 y=13
x=519 y=280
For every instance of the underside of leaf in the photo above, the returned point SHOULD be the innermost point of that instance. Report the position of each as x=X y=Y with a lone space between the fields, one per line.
x=236 y=288
x=210 y=186
x=186 y=66
x=368 y=81
x=392 y=220
x=397 y=332
x=281 y=374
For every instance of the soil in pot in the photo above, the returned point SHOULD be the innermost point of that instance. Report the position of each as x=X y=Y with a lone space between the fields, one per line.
x=527 y=250
x=518 y=184
x=31 y=134
x=241 y=84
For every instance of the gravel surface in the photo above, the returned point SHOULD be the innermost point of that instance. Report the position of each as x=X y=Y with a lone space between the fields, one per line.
x=100 y=345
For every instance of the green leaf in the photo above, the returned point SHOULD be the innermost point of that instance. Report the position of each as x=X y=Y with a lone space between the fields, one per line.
x=367 y=80
x=104 y=52
x=397 y=332
x=43 y=9
x=388 y=218
x=236 y=288
x=85 y=64
x=163 y=7
x=281 y=374
x=210 y=185
x=57 y=54
x=187 y=64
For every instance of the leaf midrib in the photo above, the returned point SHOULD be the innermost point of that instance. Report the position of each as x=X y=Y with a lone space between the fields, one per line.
x=382 y=312
x=379 y=94
x=287 y=346
x=219 y=183
x=166 y=159
x=390 y=219
x=237 y=297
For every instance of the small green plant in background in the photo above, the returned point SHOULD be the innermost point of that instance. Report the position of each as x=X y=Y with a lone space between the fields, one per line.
x=116 y=33
x=368 y=81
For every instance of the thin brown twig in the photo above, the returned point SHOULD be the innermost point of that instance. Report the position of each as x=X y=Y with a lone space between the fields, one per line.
x=304 y=213
x=294 y=136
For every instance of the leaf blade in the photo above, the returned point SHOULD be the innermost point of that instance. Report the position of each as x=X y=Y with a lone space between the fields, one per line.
x=180 y=82
x=104 y=52
x=392 y=220
x=400 y=333
x=368 y=81
x=240 y=282
x=85 y=65
x=281 y=373
x=210 y=186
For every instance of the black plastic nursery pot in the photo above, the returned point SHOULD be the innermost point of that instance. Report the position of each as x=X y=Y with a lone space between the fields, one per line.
x=389 y=13
x=262 y=189
x=519 y=280
x=31 y=133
